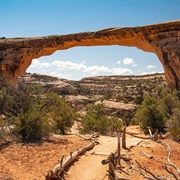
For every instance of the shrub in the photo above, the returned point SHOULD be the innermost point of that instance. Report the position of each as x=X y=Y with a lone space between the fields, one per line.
x=174 y=124
x=107 y=95
x=29 y=109
x=149 y=115
x=61 y=113
x=114 y=125
x=6 y=99
x=97 y=120
x=138 y=100
x=170 y=105
x=33 y=124
x=168 y=102
x=32 y=120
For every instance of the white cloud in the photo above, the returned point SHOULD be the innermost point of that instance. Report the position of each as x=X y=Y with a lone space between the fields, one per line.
x=119 y=62
x=69 y=65
x=56 y=74
x=36 y=63
x=121 y=71
x=46 y=64
x=144 y=73
x=128 y=61
x=151 y=67
x=56 y=67
x=93 y=70
x=134 y=65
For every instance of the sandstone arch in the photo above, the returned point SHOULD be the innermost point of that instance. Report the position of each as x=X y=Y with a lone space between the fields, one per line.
x=162 y=39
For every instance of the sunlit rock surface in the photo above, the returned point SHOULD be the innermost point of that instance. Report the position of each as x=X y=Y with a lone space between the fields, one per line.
x=163 y=39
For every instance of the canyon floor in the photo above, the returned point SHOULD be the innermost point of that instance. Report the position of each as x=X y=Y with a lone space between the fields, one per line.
x=33 y=161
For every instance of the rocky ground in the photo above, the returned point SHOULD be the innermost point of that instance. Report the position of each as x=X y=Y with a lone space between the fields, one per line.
x=33 y=161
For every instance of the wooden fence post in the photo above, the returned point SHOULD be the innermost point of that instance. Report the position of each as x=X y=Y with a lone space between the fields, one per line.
x=119 y=150
x=124 y=138
x=111 y=166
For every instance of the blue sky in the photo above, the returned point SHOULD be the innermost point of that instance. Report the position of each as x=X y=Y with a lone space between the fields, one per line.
x=28 y=18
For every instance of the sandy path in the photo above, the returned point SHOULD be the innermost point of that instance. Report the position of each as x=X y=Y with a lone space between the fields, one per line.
x=33 y=161
x=89 y=166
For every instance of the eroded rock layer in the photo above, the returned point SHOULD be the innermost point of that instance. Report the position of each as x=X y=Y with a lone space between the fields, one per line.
x=162 y=39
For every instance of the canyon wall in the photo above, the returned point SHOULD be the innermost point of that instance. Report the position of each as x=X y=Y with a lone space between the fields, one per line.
x=163 y=39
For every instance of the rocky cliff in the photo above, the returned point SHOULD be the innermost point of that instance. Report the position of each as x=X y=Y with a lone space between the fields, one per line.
x=162 y=39
x=49 y=83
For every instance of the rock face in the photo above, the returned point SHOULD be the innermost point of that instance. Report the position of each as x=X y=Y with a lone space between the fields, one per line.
x=162 y=39
x=49 y=82
x=118 y=84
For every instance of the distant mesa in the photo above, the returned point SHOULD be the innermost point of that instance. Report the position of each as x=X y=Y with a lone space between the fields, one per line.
x=49 y=82
x=163 y=39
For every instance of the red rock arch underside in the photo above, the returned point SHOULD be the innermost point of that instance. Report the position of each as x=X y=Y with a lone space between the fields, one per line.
x=162 y=39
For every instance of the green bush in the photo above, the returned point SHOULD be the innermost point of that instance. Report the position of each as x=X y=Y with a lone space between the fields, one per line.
x=33 y=124
x=170 y=104
x=61 y=113
x=114 y=124
x=150 y=115
x=96 y=120
x=34 y=113
x=32 y=120
x=138 y=100
x=6 y=99
x=160 y=113
x=173 y=124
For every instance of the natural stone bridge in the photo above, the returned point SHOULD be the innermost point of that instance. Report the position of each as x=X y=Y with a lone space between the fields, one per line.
x=162 y=39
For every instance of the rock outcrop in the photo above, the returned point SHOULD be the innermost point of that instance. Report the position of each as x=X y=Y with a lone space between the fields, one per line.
x=116 y=84
x=49 y=82
x=162 y=39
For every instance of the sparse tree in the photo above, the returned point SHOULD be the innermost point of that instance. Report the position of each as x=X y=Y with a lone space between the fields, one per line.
x=114 y=124
x=32 y=122
x=97 y=120
x=61 y=113
x=173 y=124
x=149 y=115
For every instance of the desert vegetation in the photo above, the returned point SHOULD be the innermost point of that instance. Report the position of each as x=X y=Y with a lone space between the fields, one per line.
x=31 y=113
x=97 y=120
x=34 y=111
x=38 y=110
x=160 y=113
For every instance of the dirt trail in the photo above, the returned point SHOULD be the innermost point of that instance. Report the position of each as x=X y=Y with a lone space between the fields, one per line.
x=89 y=166
x=33 y=161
